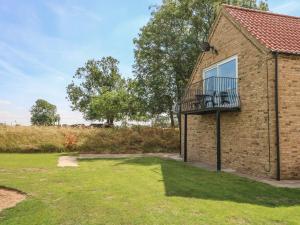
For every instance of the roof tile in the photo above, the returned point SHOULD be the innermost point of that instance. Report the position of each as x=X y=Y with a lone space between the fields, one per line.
x=277 y=32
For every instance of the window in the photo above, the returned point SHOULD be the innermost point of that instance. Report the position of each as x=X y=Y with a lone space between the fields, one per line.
x=228 y=69
x=209 y=83
x=221 y=76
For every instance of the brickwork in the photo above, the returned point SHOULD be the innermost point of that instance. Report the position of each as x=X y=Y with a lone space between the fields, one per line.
x=248 y=136
x=289 y=115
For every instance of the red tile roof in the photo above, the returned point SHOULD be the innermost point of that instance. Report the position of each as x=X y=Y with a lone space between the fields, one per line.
x=277 y=32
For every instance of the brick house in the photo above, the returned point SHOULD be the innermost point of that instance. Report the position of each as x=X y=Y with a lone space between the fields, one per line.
x=241 y=108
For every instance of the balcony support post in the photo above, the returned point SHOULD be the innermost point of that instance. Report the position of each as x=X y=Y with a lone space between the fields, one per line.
x=278 y=172
x=185 y=137
x=180 y=130
x=218 y=141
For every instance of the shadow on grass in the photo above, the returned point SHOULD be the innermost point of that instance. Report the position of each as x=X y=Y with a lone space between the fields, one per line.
x=187 y=181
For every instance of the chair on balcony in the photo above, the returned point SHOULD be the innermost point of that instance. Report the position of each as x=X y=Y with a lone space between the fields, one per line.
x=224 y=96
x=198 y=104
x=210 y=100
x=203 y=100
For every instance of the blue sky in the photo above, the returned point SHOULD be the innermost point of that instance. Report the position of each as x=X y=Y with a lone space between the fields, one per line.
x=42 y=42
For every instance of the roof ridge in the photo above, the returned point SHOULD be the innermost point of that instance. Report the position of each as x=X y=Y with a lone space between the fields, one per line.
x=259 y=11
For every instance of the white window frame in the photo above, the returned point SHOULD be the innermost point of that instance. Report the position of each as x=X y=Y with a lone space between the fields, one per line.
x=217 y=65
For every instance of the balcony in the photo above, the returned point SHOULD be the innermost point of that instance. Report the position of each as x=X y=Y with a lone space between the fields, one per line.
x=211 y=95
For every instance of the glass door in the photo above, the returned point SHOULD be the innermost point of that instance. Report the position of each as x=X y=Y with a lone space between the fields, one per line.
x=220 y=81
x=209 y=81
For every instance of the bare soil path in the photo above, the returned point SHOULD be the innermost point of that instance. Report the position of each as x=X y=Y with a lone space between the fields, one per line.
x=67 y=161
x=10 y=198
x=103 y=156
x=71 y=161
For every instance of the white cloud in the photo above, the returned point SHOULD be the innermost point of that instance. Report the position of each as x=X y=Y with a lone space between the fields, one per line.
x=11 y=70
x=4 y=115
x=29 y=58
x=68 y=11
x=70 y=117
x=9 y=117
x=287 y=7
x=86 y=13
x=5 y=102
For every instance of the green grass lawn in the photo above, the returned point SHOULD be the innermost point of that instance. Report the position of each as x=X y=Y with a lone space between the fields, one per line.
x=138 y=191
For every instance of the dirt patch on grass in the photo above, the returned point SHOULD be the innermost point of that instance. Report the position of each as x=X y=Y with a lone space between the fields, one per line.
x=10 y=198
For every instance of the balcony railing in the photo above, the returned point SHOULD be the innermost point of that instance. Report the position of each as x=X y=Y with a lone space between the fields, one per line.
x=211 y=94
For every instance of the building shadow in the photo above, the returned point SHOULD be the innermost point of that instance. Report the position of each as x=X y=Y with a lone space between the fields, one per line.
x=184 y=180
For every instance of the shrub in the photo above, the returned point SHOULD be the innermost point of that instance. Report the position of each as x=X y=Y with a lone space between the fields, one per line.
x=97 y=140
x=70 y=141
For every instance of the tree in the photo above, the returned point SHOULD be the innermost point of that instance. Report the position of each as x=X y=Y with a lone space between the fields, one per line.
x=44 y=113
x=98 y=90
x=137 y=107
x=262 y=4
x=168 y=46
x=111 y=105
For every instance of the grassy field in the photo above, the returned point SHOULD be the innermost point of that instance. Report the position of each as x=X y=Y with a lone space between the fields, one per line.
x=100 y=140
x=138 y=191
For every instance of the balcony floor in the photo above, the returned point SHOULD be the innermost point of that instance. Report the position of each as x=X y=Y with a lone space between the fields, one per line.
x=211 y=110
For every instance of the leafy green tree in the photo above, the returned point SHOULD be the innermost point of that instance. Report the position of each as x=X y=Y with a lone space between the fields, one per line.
x=136 y=108
x=44 y=113
x=168 y=46
x=110 y=105
x=262 y=5
x=98 y=90
x=165 y=52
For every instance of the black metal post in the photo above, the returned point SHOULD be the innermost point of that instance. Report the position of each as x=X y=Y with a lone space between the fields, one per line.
x=185 y=137
x=218 y=134
x=180 y=129
x=277 y=118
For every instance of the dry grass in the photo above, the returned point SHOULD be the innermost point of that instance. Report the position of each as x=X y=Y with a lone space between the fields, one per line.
x=99 y=140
